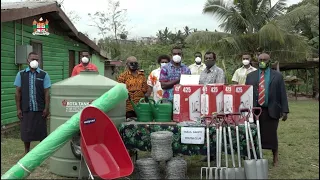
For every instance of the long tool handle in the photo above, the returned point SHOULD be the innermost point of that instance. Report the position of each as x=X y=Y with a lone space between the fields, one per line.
x=208 y=146
x=259 y=139
x=217 y=146
x=247 y=140
x=231 y=147
x=225 y=145
x=252 y=142
x=220 y=145
x=238 y=146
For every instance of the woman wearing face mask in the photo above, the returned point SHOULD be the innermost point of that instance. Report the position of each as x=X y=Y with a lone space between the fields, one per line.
x=136 y=84
x=154 y=86
x=240 y=75
x=84 y=65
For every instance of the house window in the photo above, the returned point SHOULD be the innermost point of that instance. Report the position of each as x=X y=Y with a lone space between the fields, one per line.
x=37 y=48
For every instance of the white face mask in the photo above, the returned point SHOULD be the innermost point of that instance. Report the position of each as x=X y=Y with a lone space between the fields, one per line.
x=34 y=64
x=197 y=60
x=245 y=62
x=162 y=64
x=84 y=60
x=176 y=58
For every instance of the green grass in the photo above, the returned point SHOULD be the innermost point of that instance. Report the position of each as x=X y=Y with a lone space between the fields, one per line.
x=298 y=148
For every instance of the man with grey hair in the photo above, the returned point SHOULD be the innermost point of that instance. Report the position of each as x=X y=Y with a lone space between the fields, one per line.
x=136 y=83
x=269 y=93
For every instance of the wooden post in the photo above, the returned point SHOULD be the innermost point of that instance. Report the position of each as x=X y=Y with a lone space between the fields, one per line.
x=295 y=91
x=307 y=83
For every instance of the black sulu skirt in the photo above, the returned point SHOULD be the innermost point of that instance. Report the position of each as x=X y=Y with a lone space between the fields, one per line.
x=33 y=126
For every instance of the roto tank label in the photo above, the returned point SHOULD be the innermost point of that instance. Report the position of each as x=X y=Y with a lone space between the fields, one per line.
x=75 y=106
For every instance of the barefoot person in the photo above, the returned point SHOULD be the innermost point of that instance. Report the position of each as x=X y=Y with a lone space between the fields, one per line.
x=269 y=94
x=32 y=101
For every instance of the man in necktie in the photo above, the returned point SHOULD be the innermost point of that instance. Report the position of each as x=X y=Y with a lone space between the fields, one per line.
x=269 y=93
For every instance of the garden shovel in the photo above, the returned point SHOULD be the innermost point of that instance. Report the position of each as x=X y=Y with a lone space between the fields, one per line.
x=240 y=174
x=230 y=171
x=222 y=170
x=249 y=164
x=261 y=162
x=227 y=173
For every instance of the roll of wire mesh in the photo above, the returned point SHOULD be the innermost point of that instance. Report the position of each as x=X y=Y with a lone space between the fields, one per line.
x=161 y=145
x=176 y=168
x=148 y=168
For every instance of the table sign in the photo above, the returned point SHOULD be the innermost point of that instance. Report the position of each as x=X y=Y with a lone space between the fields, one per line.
x=192 y=135
x=187 y=79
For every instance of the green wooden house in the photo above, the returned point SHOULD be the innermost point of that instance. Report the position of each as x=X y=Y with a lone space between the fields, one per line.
x=59 y=51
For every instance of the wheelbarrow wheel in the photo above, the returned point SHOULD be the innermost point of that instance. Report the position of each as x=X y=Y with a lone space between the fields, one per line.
x=75 y=146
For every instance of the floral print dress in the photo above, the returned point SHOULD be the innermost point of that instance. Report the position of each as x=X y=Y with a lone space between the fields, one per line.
x=153 y=81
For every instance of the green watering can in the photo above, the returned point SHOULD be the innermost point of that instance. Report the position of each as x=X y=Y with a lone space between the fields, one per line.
x=143 y=110
x=162 y=110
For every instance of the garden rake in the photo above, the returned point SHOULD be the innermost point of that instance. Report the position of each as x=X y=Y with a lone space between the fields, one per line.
x=207 y=169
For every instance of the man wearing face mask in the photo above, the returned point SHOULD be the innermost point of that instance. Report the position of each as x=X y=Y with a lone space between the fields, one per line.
x=136 y=84
x=212 y=74
x=198 y=66
x=269 y=93
x=154 y=86
x=240 y=75
x=170 y=73
x=32 y=101
x=84 y=65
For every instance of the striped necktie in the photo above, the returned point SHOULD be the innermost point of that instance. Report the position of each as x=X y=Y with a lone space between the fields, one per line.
x=261 y=100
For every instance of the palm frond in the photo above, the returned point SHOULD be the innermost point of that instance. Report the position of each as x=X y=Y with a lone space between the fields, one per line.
x=308 y=11
x=277 y=9
x=217 y=8
x=270 y=33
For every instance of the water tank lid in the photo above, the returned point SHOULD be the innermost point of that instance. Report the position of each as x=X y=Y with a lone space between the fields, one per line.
x=92 y=72
x=87 y=78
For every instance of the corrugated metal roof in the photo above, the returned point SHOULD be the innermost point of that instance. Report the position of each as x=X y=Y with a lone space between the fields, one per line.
x=29 y=5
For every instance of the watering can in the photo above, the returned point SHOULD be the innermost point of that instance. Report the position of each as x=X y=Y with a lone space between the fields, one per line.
x=162 y=110
x=142 y=110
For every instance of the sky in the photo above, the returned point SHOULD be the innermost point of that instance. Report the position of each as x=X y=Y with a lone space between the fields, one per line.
x=146 y=17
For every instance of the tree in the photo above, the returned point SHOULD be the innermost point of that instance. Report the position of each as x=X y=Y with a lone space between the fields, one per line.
x=111 y=23
x=112 y=26
x=247 y=25
x=303 y=18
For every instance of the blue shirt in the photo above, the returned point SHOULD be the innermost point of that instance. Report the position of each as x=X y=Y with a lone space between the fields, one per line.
x=266 y=85
x=170 y=72
x=32 y=88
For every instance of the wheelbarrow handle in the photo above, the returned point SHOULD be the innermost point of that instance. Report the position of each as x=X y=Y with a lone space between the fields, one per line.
x=256 y=111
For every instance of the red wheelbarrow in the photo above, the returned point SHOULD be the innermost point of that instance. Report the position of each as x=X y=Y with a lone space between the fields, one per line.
x=102 y=147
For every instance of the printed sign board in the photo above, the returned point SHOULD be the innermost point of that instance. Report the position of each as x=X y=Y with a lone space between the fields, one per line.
x=192 y=135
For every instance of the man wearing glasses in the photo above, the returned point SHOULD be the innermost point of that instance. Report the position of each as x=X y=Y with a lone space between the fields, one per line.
x=240 y=75
x=212 y=74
